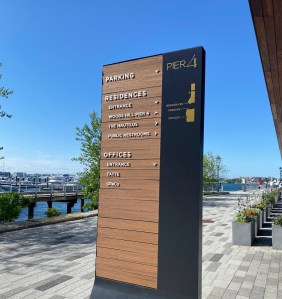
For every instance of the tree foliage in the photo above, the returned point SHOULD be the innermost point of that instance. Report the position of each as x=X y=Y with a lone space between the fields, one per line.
x=11 y=204
x=90 y=138
x=213 y=170
x=4 y=93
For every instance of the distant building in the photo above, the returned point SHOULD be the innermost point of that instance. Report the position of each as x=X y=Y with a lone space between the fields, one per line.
x=5 y=174
x=19 y=175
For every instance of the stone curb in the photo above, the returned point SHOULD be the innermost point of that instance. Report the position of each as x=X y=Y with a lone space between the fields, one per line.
x=19 y=225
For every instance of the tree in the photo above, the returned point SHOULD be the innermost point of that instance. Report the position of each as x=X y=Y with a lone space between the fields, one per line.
x=4 y=93
x=213 y=170
x=11 y=204
x=90 y=138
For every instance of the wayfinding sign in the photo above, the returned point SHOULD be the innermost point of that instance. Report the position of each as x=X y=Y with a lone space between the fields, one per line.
x=150 y=201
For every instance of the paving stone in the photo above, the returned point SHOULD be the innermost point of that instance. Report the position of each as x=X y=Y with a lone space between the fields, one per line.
x=213 y=267
x=12 y=292
x=238 y=279
x=230 y=294
x=53 y=283
x=245 y=292
x=216 y=257
x=250 y=278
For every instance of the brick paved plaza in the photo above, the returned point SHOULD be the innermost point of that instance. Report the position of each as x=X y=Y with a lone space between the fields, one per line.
x=58 y=261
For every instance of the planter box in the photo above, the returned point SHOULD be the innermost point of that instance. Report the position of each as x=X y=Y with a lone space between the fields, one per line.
x=261 y=218
x=276 y=236
x=243 y=233
x=258 y=223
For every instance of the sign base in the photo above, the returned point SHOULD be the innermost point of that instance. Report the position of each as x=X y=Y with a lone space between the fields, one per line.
x=110 y=289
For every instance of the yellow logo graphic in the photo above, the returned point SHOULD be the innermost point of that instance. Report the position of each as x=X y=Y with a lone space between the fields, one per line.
x=190 y=113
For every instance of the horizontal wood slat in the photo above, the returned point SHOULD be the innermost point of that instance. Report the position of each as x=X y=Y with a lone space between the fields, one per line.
x=115 y=98
x=133 y=278
x=145 y=194
x=127 y=245
x=145 y=109
x=125 y=204
x=149 y=227
x=129 y=184
x=133 y=164
x=144 y=70
x=128 y=235
x=128 y=256
x=129 y=134
x=131 y=174
x=146 y=270
x=129 y=214
x=143 y=124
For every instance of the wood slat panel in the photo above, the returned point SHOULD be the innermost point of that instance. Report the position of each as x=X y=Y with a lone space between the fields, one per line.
x=276 y=90
x=271 y=43
x=144 y=70
x=127 y=245
x=149 y=227
x=256 y=7
x=152 y=79
x=134 y=164
x=128 y=256
x=131 y=174
x=152 y=92
x=129 y=184
x=277 y=5
x=145 y=109
x=131 y=194
x=267 y=8
x=129 y=145
x=146 y=153
x=128 y=204
x=137 y=279
x=128 y=235
x=261 y=37
x=146 y=270
x=129 y=215
x=124 y=135
x=142 y=125
x=269 y=84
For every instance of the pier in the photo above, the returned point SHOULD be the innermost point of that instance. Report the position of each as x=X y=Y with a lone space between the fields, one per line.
x=70 y=198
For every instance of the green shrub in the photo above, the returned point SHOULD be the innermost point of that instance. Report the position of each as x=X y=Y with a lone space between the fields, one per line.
x=278 y=221
x=247 y=215
x=270 y=196
x=52 y=212
x=261 y=205
x=11 y=204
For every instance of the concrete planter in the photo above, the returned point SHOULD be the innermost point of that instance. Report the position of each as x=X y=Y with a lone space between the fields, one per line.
x=243 y=233
x=276 y=236
x=258 y=223
x=261 y=218
x=265 y=214
x=268 y=210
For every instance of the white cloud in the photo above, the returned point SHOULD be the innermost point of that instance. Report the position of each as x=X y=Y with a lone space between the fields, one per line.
x=18 y=164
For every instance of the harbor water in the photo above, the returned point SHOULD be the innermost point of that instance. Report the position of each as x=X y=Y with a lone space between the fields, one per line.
x=41 y=208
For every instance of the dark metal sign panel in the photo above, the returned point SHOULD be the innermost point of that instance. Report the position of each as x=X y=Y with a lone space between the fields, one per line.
x=150 y=203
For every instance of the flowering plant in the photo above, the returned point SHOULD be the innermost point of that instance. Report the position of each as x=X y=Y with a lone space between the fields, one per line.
x=247 y=215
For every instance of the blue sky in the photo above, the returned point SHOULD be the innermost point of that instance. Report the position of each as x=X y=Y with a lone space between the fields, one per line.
x=53 y=52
